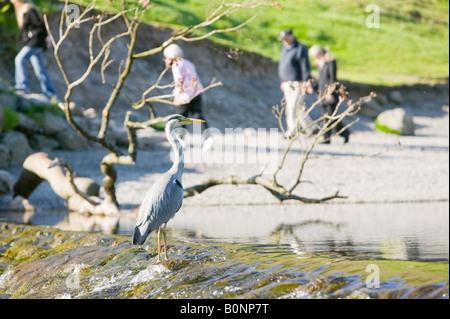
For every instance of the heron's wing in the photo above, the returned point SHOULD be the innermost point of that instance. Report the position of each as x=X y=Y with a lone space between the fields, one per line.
x=161 y=203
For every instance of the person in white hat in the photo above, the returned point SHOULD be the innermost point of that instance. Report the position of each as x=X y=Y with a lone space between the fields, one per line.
x=188 y=88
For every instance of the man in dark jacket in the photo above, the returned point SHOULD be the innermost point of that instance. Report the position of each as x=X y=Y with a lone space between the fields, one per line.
x=294 y=71
x=326 y=64
x=33 y=36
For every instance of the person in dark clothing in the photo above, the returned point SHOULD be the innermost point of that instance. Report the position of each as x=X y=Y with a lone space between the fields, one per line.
x=294 y=71
x=326 y=64
x=33 y=38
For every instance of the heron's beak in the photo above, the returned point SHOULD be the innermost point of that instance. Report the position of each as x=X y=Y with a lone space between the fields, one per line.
x=190 y=121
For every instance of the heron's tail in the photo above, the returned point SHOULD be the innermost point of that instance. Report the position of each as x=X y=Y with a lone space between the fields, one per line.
x=138 y=237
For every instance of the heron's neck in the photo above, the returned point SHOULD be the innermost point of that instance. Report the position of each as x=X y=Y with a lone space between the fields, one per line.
x=178 y=161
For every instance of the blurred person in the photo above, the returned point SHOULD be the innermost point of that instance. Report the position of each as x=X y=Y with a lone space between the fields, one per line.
x=326 y=64
x=34 y=43
x=294 y=72
x=188 y=88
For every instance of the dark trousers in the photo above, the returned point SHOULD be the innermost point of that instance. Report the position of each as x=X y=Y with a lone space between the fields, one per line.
x=194 y=109
x=329 y=109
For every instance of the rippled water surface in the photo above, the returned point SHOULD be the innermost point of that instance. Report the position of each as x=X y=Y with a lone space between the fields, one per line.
x=288 y=251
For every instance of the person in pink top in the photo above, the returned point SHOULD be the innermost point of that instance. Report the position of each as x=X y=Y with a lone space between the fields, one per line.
x=188 y=88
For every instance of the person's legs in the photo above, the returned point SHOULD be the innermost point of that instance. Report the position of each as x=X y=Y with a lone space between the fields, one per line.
x=21 y=72
x=37 y=61
x=304 y=119
x=196 y=109
x=291 y=94
x=345 y=133
x=326 y=108
x=329 y=109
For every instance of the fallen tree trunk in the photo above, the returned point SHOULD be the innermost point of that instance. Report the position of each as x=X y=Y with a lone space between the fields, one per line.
x=81 y=193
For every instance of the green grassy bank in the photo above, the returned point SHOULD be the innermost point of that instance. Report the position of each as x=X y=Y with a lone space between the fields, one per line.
x=411 y=44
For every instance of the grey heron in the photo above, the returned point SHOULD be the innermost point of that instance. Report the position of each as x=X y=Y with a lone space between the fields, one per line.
x=165 y=196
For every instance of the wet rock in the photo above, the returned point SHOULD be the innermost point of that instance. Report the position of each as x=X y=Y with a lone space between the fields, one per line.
x=396 y=121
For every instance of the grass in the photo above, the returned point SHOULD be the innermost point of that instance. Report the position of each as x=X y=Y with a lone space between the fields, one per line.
x=410 y=46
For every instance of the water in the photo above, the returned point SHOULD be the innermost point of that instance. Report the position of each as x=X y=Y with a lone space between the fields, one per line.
x=279 y=251
x=403 y=231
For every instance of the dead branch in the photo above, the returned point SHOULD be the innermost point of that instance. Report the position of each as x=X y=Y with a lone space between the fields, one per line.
x=276 y=190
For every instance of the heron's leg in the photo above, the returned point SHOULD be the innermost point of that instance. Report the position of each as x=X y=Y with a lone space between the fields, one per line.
x=164 y=237
x=159 y=244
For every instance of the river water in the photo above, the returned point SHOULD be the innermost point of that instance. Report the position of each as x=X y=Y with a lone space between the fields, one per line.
x=268 y=251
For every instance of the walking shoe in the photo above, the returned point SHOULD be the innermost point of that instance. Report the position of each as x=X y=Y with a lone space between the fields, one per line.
x=346 y=138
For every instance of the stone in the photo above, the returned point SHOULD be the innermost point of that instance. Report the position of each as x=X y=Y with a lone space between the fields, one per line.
x=370 y=108
x=6 y=187
x=27 y=101
x=82 y=122
x=75 y=109
x=396 y=97
x=27 y=125
x=71 y=140
x=17 y=204
x=5 y=157
x=53 y=124
x=121 y=136
x=396 y=121
x=90 y=113
x=18 y=145
x=381 y=99
x=43 y=143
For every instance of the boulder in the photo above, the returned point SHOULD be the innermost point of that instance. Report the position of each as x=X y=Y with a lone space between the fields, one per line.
x=27 y=125
x=396 y=121
x=70 y=140
x=27 y=101
x=53 y=124
x=381 y=99
x=75 y=109
x=370 y=108
x=43 y=143
x=396 y=97
x=17 y=204
x=18 y=145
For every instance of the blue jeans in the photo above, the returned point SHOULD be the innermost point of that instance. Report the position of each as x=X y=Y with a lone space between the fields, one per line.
x=34 y=55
